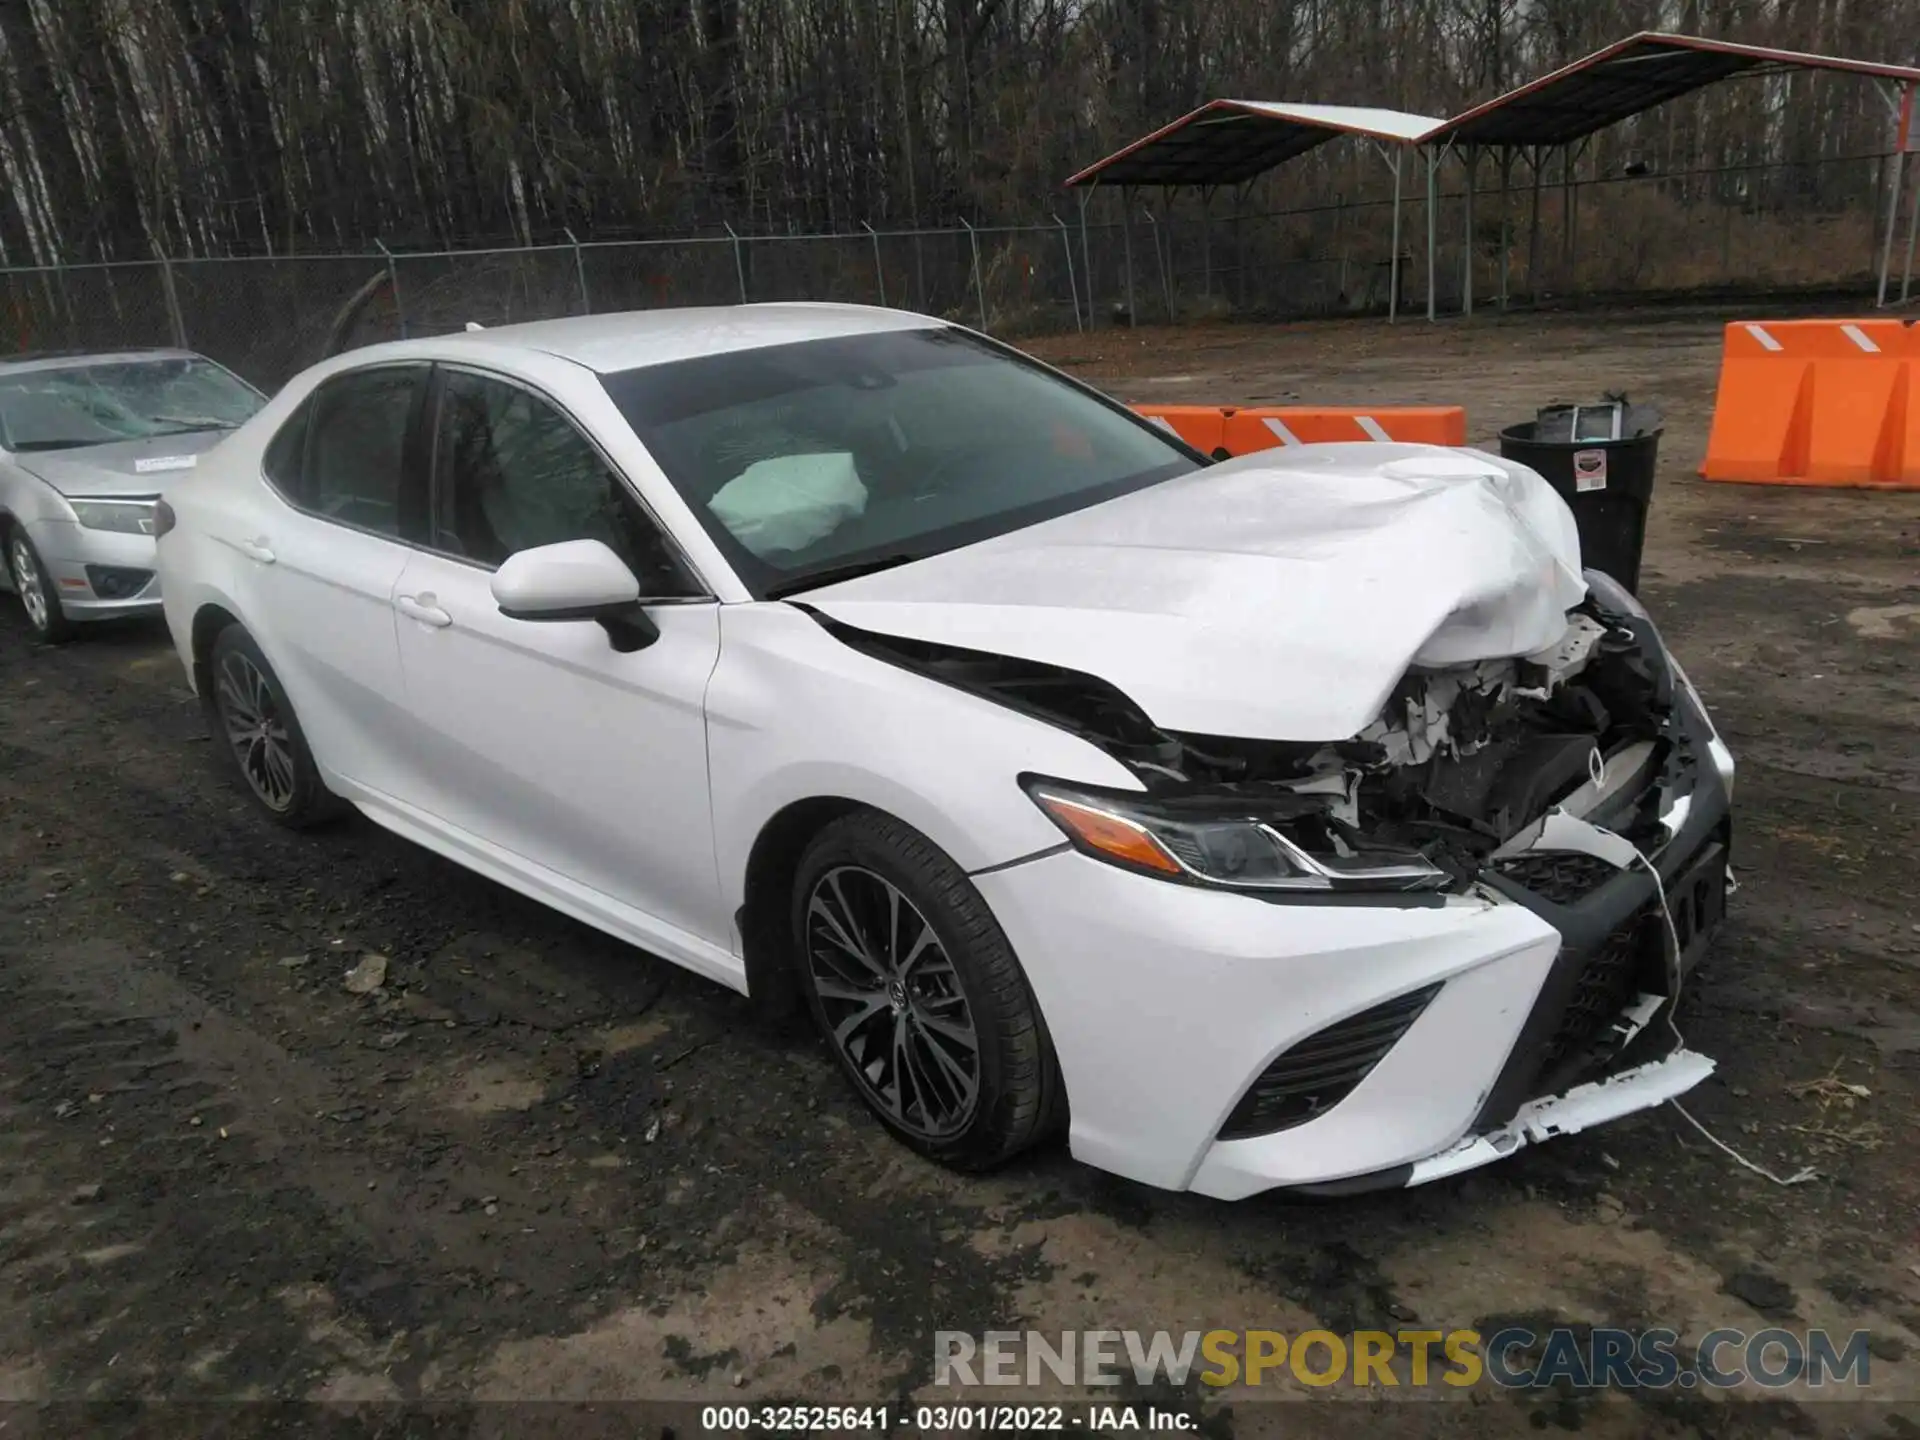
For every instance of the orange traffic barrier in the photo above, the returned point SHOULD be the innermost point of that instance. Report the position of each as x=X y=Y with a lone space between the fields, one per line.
x=1227 y=430
x=1817 y=402
x=1265 y=428
x=1201 y=426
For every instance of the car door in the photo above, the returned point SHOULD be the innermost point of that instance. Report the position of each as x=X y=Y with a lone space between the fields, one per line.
x=325 y=555
x=545 y=741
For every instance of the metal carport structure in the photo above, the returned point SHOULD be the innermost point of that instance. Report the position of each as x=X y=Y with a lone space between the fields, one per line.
x=1567 y=107
x=1229 y=142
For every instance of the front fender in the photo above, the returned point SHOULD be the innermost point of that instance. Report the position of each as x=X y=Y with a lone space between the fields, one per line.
x=793 y=714
x=29 y=500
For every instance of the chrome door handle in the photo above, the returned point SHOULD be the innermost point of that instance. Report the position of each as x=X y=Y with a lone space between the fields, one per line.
x=422 y=608
x=256 y=550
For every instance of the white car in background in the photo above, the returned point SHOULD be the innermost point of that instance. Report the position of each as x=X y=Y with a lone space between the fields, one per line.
x=1291 y=821
x=88 y=444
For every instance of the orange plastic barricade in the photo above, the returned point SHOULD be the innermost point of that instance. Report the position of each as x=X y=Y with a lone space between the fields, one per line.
x=1223 y=430
x=1263 y=428
x=1201 y=426
x=1817 y=402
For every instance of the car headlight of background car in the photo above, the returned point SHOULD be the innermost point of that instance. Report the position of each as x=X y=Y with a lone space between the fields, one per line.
x=1230 y=842
x=130 y=517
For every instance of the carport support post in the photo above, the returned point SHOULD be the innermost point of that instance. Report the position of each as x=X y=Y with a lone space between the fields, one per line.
x=1393 y=265
x=1393 y=157
x=1506 y=186
x=1433 y=288
x=1899 y=167
x=1533 y=232
x=1900 y=103
x=1126 y=243
x=1913 y=220
x=1470 y=157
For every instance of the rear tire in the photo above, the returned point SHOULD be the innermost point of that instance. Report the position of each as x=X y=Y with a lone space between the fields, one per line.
x=909 y=975
x=39 y=597
x=252 y=715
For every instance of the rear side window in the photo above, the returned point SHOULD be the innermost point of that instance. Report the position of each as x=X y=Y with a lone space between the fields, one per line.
x=357 y=464
x=287 y=452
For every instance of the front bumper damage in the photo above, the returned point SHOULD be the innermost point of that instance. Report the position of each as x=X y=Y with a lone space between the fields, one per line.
x=1240 y=1043
x=1166 y=1003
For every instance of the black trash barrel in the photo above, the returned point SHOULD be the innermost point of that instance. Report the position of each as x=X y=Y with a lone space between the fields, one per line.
x=1607 y=483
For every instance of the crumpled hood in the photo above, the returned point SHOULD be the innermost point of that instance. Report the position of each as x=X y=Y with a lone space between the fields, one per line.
x=126 y=467
x=1279 y=596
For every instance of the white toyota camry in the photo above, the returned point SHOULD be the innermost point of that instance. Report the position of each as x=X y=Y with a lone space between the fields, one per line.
x=1307 y=819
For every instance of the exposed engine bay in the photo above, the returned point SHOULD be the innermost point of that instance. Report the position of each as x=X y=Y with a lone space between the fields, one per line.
x=1460 y=763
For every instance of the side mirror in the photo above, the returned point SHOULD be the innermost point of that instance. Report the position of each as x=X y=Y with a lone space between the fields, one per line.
x=576 y=580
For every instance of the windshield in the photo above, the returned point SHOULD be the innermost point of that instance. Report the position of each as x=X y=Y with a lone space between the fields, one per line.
x=809 y=463
x=69 y=406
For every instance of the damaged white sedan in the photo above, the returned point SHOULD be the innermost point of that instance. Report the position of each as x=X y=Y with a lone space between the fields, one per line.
x=1302 y=820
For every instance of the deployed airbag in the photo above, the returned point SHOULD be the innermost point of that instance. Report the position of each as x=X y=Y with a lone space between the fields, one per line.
x=789 y=502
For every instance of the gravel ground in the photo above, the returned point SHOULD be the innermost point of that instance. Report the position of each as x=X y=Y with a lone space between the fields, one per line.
x=534 y=1165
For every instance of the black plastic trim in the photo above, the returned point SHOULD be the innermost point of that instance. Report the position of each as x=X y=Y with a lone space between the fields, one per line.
x=1628 y=898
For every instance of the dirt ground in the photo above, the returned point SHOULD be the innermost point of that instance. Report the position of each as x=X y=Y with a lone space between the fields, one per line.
x=534 y=1165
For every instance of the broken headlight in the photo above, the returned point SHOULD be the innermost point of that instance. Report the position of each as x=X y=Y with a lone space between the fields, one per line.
x=1268 y=844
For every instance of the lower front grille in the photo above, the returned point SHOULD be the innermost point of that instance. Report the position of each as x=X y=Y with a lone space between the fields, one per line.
x=1616 y=970
x=1565 y=877
x=117 y=582
x=1313 y=1076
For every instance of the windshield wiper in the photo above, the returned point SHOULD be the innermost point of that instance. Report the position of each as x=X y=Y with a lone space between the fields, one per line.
x=834 y=574
x=190 y=423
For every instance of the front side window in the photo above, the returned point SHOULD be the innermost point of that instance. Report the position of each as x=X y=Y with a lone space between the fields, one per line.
x=806 y=461
x=69 y=407
x=512 y=473
x=356 y=448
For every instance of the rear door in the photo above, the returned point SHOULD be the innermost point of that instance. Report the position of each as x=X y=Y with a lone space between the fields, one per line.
x=324 y=563
x=547 y=742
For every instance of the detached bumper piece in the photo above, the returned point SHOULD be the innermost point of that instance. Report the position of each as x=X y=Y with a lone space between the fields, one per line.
x=1313 y=1076
x=1640 y=1088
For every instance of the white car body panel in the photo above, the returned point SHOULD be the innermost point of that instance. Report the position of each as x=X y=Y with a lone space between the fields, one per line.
x=795 y=715
x=1253 y=977
x=1280 y=597
x=543 y=738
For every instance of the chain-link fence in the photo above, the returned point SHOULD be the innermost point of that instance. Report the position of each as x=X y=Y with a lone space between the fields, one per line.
x=1113 y=260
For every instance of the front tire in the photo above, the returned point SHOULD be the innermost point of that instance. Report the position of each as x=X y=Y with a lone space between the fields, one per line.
x=252 y=714
x=35 y=589
x=919 y=995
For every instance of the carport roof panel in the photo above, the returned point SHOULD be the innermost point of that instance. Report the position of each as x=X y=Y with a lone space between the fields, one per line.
x=1226 y=142
x=1626 y=78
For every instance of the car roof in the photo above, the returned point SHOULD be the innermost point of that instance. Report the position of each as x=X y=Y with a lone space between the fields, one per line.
x=629 y=339
x=20 y=364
